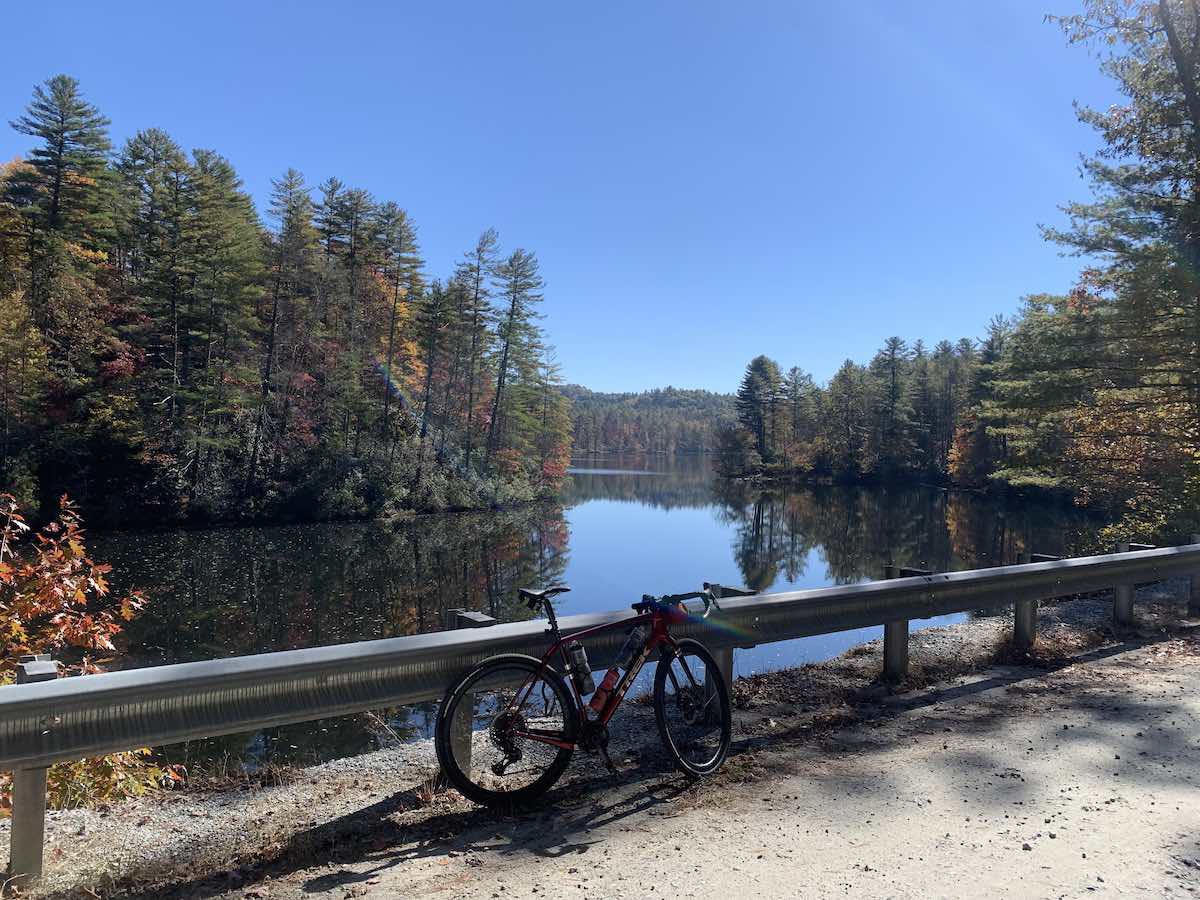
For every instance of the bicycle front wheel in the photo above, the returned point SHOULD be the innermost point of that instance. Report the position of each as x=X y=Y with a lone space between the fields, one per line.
x=691 y=704
x=506 y=732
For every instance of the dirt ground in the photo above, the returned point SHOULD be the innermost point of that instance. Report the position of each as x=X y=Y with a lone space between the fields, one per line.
x=1076 y=773
x=1015 y=783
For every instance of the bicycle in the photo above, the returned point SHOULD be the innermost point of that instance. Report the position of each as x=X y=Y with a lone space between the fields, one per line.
x=507 y=730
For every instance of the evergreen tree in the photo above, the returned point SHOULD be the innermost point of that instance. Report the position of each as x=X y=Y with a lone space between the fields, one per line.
x=891 y=374
x=62 y=196
x=846 y=407
x=165 y=355
x=63 y=191
x=401 y=270
x=800 y=397
x=1134 y=406
x=23 y=378
x=519 y=286
x=759 y=404
x=474 y=272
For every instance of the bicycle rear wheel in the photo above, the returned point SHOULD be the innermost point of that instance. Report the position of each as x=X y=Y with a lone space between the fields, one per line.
x=691 y=705
x=499 y=730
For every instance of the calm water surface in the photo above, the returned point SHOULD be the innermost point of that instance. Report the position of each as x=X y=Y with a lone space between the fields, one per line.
x=625 y=526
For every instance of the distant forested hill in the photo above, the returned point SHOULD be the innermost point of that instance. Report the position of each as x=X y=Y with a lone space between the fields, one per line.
x=665 y=420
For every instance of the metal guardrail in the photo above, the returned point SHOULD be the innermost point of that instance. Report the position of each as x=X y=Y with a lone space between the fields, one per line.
x=62 y=719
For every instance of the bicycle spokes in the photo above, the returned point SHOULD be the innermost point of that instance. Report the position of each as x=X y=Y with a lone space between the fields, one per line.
x=691 y=709
x=508 y=731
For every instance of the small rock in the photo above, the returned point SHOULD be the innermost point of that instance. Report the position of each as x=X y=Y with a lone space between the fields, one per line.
x=1026 y=846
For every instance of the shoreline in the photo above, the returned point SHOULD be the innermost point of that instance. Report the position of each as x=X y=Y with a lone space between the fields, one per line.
x=399 y=518
x=799 y=478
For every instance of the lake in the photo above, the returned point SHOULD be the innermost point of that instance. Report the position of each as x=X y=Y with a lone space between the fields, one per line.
x=625 y=526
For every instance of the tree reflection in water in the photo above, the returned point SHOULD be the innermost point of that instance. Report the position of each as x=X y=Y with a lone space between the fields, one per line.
x=236 y=591
x=245 y=590
x=856 y=531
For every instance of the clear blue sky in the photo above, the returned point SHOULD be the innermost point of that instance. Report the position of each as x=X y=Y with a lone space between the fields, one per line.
x=702 y=181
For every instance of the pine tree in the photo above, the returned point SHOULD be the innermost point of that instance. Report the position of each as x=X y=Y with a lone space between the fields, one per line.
x=519 y=286
x=474 y=272
x=1135 y=404
x=292 y=248
x=979 y=447
x=63 y=198
x=292 y=254
x=156 y=184
x=64 y=191
x=168 y=356
x=226 y=271
x=759 y=404
x=890 y=372
x=552 y=442
x=433 y=320
x=846 y=410
x=401 y=269
x=23 y=378
x=799 y=390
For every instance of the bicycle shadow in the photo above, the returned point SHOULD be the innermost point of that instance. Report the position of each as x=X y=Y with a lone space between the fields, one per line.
x=370 y=841
x=550 y=835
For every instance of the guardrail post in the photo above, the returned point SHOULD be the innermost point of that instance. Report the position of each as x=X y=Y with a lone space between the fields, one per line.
x=1194 y=591
x=463 y=725
x=724 y=660
x=1123 y=596
x=29 y=793
x=895 y=640
x=1025 y=616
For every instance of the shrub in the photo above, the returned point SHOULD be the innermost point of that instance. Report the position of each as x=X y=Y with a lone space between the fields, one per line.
x=55 y=599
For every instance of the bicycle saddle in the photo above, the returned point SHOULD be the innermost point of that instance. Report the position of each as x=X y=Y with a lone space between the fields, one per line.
x=535 y=597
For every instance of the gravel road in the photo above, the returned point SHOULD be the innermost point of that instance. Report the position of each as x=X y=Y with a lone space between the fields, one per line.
x=1042 y=780
x=1078 y=782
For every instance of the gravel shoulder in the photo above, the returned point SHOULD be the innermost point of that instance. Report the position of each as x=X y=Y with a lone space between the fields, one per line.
x=1076 y=772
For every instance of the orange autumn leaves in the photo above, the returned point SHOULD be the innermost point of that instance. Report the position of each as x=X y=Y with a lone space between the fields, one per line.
x=53 y=597
x=56 y=599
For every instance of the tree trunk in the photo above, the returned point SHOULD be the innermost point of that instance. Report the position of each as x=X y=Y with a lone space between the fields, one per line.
x=265 y=393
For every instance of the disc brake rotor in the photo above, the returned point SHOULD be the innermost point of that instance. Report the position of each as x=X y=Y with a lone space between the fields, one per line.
x=691 y=704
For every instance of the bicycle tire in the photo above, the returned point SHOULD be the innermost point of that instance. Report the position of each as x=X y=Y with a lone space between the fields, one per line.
x=687 y=646
x=442 y=735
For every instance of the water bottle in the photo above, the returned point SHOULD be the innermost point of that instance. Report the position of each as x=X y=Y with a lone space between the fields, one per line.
x=581 y=672
x=603 y=690
x=626 y=655
x=632 y=647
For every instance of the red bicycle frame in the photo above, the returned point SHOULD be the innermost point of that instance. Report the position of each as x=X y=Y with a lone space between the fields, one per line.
x=659 y=635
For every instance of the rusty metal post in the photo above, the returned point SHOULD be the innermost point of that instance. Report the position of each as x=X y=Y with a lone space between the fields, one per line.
x=1194 y=587
x=1123 y=596
x=1025 y=616
x=462 y=727
x=724 y=660
x=895 y=641
x=29 y=793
